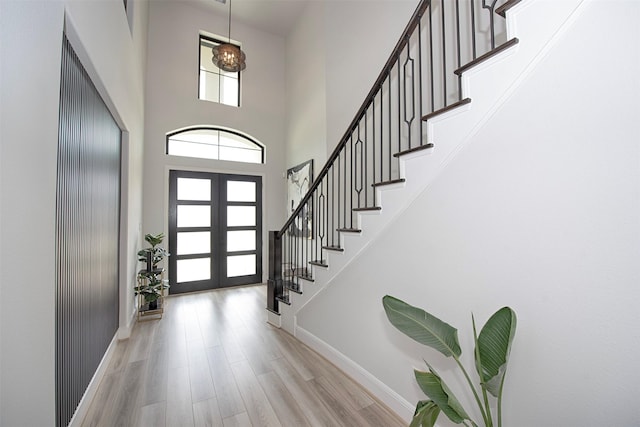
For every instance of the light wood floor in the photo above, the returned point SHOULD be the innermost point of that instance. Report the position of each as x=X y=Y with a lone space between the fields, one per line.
x=212 y=360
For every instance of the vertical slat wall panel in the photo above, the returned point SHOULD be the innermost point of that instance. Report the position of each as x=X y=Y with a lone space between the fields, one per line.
x=87 y=230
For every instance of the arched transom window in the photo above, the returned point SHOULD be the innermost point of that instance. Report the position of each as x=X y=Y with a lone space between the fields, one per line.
x=214 y=143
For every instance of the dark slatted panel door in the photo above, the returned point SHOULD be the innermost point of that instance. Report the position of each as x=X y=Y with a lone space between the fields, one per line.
x=87 y=233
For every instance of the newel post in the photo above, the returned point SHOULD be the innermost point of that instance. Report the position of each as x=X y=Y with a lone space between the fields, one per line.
x=274 y=284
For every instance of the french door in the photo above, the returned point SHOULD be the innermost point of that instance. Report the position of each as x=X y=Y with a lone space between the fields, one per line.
x=215 y=230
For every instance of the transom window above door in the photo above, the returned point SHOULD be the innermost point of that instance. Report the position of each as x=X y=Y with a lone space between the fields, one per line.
x=214 y=143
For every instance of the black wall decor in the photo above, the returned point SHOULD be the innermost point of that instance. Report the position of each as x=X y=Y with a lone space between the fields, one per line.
x=87 y=234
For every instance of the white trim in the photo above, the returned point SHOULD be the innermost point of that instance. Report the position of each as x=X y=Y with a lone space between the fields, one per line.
x=124 y=332
x=380 y=390
x=92 y=388
x=273 y=319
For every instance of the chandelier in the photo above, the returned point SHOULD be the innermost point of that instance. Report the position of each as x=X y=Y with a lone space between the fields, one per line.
x=229 y=57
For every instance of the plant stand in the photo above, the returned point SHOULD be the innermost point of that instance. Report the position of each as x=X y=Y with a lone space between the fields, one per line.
x=144 y=313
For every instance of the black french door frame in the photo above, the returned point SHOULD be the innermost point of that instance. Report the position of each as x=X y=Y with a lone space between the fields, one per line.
x=218 y=229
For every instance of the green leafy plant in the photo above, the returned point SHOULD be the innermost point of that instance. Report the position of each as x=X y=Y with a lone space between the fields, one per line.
x=153 y=287
x=492 y=348
x=158 y=253
x=150 y=284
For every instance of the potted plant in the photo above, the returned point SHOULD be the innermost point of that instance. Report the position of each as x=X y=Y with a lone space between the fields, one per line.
x=493 y=346
x=151 y=286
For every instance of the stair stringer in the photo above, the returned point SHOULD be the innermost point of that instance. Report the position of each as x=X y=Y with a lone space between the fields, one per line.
x=490 y=84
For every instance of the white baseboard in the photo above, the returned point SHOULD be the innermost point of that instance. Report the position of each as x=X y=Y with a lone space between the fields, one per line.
x=92 y=388
x=124 y=332
x=381 y=391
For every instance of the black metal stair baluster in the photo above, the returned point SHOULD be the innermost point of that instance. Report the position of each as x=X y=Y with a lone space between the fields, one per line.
x=321 y=223
x=305 y=240
x=302 y=242
x=492 y=31
x=357 y=170
x=381 y=132
x=296 y=241
x=340 y=211
x=390 y=154
x=344 y=186
x=373 y=148
x=409 y=94
x=421 y=124
x=333 y=208
x=444 y=56
x=431 y=65
x=459 y=48
x=292 y=258
x=326 y=215
x=399 y=107
x=299 y=248
x=351 y=178
x=364 y=180
x=473 y=29
x=289 y=270
x=315 y=217
x=311 y=235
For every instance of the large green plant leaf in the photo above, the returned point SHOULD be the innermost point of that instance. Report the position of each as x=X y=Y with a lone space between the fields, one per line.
x=426 y=414
x=433 y=386
x=422 y=326
x=154 y=240
x=493 y=348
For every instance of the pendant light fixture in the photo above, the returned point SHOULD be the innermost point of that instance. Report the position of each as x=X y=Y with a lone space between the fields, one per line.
x=229 y=57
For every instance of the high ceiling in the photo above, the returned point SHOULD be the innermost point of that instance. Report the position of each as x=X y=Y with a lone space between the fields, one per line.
x=273 y=16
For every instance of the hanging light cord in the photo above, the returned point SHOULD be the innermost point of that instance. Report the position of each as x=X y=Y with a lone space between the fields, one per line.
x=229 y=22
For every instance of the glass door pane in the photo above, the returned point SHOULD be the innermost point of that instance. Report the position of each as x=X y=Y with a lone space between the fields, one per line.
x=238 y=216
x=192 y=270
x=194 y=216
x=241 y=191
x=194 y=189
x=242 y=240
x=194 y=242
x=241 y=265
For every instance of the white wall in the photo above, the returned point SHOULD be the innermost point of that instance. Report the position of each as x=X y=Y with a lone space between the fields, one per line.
x=360 y=36
x=172 y=103
x=306 y=89
x=334 y=54
x=31 y=46
x=541 y=212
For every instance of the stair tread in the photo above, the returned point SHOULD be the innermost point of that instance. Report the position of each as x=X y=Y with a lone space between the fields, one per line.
x=349 y=230
x=284 y=299
x=307 y=278
x=413 y=150
x=390 y=182
x=333 y=248
x=319 y=263
x=506 y=6
x=453 y=106
x=493 y=52
x=368 y=208
x=292 y=286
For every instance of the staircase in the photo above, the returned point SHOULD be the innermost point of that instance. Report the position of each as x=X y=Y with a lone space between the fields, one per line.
x=420 y=85
x=453 y=66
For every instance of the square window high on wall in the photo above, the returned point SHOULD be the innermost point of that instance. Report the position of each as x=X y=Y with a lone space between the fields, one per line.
x=215 y=84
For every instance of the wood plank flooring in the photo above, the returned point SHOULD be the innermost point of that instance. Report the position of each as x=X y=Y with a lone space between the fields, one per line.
x=213 y=360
